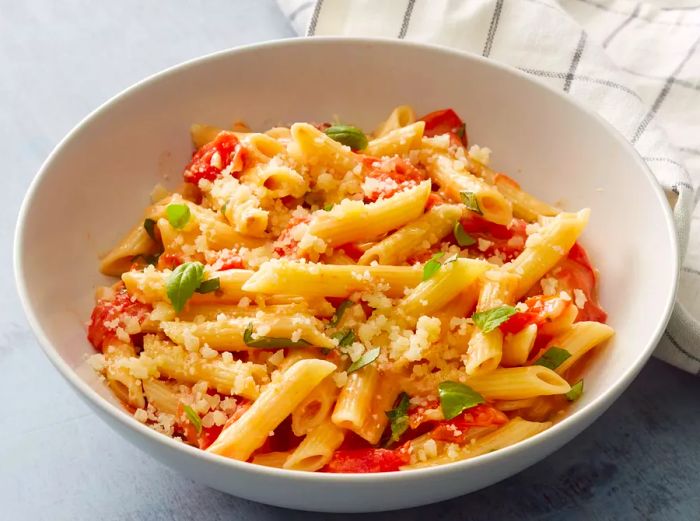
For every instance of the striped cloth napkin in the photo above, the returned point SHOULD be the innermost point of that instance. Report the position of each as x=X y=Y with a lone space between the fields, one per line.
x=637 y=64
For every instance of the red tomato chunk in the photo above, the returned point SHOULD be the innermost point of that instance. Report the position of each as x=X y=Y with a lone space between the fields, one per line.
x=445 y=121
x=108 y=315
x=367 y=460
x=211 y=159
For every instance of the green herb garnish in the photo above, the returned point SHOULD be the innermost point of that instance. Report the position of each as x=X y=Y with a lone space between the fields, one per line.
x=470 y=201
x=462 y=237
x=431 y=267
x=183 y=282
x=455 y=397
x=398 y=416
x=150 y=226
x=268 y=342
x=575 y=392
x=223 y=209
x=340 y=311
x=348 y=135
x=178 y=215
x=345 y=337
x=209 y=285
x=366 y=359
x=553 y=358
x=328 y=207
x=490 y=319
x=193 y=417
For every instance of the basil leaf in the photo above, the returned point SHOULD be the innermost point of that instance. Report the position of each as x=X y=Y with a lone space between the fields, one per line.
x=575 y=392
x=182 y=283
x=209 y=285
x=470 y=201
x=398 y=417
x=344 y=337
x=366 y=359
x=553 y=357
x=490 y=319
x=461 y=130
x=178 y=215
x=462 y=237
x=150 y=226
x=456 y=397
x=268 y=342
x=328 y=207
x=431 y=267
x=223 y=209
x=340 y=311
x=193 y=417
x=348 y=135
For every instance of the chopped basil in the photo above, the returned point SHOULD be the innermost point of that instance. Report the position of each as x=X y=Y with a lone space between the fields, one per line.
x=456 y=397
x=398 y=418
x=193 y=417
x=328 y=207
x=553 y=357
x=348 y=135
x=223 y=209
x=470 y=201
x=366 y=359
x=575 y=392
x=178 y=215
x=150 y=226
x=431 y=267
x=461 y=130
x=209 y=285
x=183 y=282
x=462 y=237
x=340 y=311
x=268 y=342
x=490 y=319
x=345 y=337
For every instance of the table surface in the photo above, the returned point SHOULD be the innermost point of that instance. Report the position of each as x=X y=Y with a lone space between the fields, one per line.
x=59 y=61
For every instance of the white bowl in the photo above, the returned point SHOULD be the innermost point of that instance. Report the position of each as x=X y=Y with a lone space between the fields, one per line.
x=95 y=185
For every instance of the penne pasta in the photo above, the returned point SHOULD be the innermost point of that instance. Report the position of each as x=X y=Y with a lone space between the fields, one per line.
x=322 y=280
x=459 y=184
x=315 y=298
x=278 y=400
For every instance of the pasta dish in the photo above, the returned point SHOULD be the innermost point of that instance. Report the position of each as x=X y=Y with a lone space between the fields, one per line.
x=317 y=298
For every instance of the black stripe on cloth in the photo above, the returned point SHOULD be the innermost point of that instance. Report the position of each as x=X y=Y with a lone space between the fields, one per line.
x=314 y=18
x=298 y=10
x=624 y=24
x=681 y=349
x=406 y=19
x=690 y=270
x=575 y=61
x=683 y=83
x=688 y=150
x=648 y=20
x=493 y=27
x=585 y=79
x=663 y=94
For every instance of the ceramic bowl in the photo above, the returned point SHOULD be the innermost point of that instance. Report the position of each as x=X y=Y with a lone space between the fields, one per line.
x=96 y=182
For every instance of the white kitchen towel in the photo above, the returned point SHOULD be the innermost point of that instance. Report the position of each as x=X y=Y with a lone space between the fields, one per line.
x=637 y=64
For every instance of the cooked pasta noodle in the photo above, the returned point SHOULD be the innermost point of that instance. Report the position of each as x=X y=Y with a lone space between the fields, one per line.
x=317 y=299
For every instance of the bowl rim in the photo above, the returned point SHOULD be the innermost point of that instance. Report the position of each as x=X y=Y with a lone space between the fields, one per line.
x=591 y=410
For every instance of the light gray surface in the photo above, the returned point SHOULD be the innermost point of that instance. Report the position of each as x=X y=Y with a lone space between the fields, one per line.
x=59 y=462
